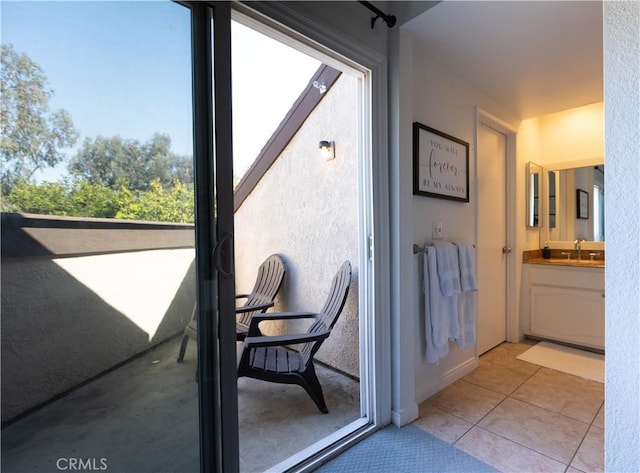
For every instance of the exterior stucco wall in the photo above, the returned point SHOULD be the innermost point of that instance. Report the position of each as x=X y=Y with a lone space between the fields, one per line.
x=68 y=317
x=306 y=209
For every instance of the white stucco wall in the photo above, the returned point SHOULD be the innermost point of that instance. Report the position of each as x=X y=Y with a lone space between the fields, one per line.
x=622 y=273
x=306 y=209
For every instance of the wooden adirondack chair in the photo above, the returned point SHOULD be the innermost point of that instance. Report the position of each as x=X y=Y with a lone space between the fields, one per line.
x=271 y=359
x=270 y=276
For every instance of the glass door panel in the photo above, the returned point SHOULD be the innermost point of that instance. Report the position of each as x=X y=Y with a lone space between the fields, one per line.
x=116 y=234
x=303 y=206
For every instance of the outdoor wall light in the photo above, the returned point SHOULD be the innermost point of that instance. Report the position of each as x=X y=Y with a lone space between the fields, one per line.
x=327 y=150
x=320 y=86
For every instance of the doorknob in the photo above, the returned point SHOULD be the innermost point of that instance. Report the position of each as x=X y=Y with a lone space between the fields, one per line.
x=506 y=250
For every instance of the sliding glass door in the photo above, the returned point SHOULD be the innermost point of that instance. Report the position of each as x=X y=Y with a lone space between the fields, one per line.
x=132 y=178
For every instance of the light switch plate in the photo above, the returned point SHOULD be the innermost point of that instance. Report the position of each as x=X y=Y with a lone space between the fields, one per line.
x=437 y=230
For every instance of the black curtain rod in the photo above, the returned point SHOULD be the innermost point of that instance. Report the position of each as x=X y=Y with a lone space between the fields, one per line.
x=390 y=20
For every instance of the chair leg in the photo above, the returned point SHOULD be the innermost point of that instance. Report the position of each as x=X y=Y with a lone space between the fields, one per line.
x=183 y=347
x=311 y=384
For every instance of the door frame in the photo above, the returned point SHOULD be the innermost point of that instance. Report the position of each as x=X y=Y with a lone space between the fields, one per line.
x=512 y=274
x=374 y=225
x=340 y=52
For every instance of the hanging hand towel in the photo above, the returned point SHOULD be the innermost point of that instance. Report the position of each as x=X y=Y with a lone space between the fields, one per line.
x=448 y=267
x=465 y=260
x=440 y=307
x=433 y=353
x=467 y=300
x=449 y=274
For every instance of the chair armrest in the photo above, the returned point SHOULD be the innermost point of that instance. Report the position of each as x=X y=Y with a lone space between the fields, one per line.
x=256 y=319
x=242 y=296
x=284 y=316
x=251 y=308
x=288 y=339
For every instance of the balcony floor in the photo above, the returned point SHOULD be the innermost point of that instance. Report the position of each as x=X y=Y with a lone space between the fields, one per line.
x=142 y=417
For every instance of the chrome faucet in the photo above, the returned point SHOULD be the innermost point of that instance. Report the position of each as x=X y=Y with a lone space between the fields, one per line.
x=578 y=246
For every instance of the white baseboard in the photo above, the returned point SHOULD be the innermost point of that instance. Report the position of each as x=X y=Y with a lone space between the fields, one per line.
x=425 y=392
x=405 y=416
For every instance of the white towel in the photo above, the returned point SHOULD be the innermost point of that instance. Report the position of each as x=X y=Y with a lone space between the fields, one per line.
x=467 y=314
x=448 y=267
x=467 y=300
x=439 y=309
x=433 y=354
x=467 y=272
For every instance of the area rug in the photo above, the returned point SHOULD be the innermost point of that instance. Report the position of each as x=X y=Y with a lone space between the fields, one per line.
x=404 y=450
x=568 y=360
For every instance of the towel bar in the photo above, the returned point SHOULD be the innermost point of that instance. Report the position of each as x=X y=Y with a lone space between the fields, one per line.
x=419 y=249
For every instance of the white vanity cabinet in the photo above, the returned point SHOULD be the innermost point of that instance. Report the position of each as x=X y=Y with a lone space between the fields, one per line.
x=564 y=303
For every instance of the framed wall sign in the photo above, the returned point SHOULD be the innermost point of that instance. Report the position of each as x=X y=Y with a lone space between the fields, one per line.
x=582 y=204
x=440 y=164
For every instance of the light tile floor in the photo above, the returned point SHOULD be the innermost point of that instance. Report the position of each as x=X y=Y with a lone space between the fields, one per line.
x=521 y=417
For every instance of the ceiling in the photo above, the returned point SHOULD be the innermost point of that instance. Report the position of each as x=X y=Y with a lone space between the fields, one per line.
x=531 y=57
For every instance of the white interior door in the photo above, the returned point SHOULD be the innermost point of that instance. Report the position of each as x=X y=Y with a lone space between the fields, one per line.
x=492 y=235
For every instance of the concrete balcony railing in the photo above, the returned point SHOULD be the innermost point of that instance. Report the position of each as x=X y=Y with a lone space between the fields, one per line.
x=80 y=296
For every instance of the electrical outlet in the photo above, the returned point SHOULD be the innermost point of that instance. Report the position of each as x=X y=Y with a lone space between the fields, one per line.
x=437 y=230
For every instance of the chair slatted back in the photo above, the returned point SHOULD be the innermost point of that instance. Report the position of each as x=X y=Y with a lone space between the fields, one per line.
x=268 y=282
x=331 y=310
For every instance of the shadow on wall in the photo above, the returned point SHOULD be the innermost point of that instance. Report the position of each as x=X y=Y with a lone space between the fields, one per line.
x=66 y=319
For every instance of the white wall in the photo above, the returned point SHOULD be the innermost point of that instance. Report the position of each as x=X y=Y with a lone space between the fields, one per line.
x=622 y=273
x=564 y=138
x=447 y=103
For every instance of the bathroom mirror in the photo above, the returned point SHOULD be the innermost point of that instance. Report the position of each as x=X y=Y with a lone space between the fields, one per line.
x=534 y=191
x=572 y=218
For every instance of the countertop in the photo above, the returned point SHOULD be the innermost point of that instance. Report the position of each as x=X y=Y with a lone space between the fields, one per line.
x=567 y=262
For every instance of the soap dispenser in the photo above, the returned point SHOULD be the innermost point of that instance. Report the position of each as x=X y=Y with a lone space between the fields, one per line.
x=546 y=251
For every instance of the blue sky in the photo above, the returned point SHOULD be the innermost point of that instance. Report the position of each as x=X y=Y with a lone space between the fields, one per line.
x=124 y=68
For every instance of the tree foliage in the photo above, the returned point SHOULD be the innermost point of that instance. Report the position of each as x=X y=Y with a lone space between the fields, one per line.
x=159 y=205
x=109 y=161
x=31 y=137
x=81 y=198
x=77 y=198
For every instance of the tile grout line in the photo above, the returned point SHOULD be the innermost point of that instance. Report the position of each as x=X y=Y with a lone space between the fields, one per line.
x=529 y=376
x=585 y=435
x=507 y=396
x=524 y=446
x=510 y=395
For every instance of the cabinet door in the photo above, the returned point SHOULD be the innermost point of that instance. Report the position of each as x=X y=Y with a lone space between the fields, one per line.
x=568 y=314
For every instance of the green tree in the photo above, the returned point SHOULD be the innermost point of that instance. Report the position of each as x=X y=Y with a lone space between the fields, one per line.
x=77 y=198
x=31 y=138
x=159 y=205
x=110 y=160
